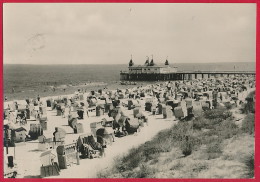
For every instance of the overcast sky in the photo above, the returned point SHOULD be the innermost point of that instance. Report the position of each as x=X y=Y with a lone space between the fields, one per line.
x=109 y=33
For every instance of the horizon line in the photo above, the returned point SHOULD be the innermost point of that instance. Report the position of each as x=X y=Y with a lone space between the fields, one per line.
x=127 y=63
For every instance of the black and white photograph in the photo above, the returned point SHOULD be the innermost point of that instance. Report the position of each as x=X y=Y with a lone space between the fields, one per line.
x=129 y=90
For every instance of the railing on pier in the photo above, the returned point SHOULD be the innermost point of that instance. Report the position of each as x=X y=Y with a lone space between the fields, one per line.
x=196 y=72
x=218 y=72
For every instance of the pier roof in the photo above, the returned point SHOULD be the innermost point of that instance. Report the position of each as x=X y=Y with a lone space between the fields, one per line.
x=154 y=66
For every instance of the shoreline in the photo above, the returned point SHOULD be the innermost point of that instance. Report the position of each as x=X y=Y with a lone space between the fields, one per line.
x=70 y=90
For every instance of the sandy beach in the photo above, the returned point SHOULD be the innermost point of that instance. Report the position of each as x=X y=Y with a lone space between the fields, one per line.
x=27 y=155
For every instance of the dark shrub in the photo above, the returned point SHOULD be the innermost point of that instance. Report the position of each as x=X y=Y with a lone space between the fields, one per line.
x=181 y=128
x=228 y=105
x=165 y=144
x=151 y=152
x=200 y=122
x=133 y=159
x=186 y=146
x=210 y=137
x=227 y=129
x=248 y=107
x=220 y=113
x=214 y=150
x=249 y=162
x=144 y=172
x=203 y=123
x=248 y=124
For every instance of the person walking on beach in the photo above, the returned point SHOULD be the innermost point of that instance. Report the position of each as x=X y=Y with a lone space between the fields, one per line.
x=27 y=100
x=86 y=107
x=38 y=98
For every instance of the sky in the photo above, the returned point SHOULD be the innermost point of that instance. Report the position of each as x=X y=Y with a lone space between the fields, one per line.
x=109 y=33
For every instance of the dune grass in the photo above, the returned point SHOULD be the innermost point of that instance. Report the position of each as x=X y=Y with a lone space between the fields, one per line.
x=248 y=124
x=210 y=129
x=249 y=162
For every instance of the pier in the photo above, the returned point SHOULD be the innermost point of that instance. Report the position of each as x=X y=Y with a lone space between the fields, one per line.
x=153 y=72
x=180 y=75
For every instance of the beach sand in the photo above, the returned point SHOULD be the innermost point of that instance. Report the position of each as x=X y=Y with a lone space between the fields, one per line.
x=27 y=155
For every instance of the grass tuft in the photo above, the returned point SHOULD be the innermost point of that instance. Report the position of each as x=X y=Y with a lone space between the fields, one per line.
x=249 y=162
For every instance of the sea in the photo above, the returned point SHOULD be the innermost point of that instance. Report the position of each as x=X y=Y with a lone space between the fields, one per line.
x=22 y=81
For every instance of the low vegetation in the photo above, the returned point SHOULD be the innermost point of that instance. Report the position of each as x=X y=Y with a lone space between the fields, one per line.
x=201 y=139
x=220 y=114
x=249 y=106
x=248 y=124
x=228 y=105
x=249 y=162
